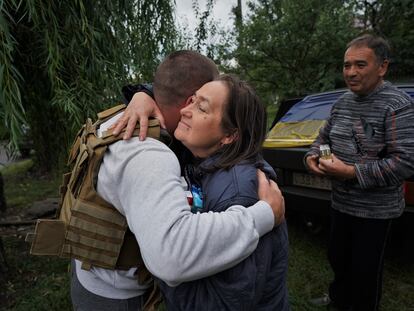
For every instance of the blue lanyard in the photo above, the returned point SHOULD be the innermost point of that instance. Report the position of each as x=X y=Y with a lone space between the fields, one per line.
x=194 y=188
x=197 y=205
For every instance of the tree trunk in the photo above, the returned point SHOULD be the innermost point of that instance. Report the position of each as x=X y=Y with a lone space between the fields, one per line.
x=2 y=196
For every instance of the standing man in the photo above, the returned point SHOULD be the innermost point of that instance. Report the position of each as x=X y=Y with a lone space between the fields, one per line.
x=371 y=135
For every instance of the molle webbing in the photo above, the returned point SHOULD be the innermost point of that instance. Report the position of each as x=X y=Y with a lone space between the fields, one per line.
x=94 y=231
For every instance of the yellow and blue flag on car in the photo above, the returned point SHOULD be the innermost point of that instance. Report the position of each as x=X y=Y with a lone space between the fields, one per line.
x=301 y=124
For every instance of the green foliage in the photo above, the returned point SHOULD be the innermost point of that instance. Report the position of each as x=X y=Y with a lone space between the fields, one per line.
x=12 y=111
x=394 y=20
x=63 y=61
x=288 y=48
x=205 y=30
x=293 y=47
x=206 y=26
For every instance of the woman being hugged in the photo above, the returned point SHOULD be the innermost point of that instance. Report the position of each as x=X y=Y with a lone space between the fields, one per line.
x=224 y=127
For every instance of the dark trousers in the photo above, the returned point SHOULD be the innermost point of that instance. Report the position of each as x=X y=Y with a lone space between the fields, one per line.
x=356 y=254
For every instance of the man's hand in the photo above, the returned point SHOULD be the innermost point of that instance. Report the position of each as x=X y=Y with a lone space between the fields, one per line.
x=312 y=163
x=336 y=168
x=140 y=108
x=269 y=192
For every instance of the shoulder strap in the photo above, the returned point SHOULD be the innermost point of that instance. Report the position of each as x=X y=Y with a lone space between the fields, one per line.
x=108 y=113
x=107 y=137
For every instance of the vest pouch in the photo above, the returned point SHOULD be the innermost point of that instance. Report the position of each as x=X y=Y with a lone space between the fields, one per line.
x=72 y=183
x=48 y=238
x=95 y=234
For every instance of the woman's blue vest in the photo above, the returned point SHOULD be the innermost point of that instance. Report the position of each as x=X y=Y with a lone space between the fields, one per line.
x=259 y=281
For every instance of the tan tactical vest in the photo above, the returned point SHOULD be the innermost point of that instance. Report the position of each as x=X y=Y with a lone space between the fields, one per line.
x=87 y=227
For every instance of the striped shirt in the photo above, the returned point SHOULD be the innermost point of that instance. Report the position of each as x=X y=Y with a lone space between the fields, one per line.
x=375 y=133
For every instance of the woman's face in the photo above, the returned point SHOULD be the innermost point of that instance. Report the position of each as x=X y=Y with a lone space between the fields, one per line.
x=200 y=127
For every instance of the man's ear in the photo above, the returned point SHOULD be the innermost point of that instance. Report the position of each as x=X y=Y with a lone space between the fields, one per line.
x=230 y=137
x=383 y=68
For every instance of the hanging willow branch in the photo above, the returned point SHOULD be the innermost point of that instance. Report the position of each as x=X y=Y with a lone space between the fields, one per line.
x=62 y=61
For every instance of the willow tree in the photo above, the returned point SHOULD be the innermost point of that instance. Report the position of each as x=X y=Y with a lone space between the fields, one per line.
x=62 y=61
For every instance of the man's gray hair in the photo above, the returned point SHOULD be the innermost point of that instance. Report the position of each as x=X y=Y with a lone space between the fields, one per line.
x=379 y=45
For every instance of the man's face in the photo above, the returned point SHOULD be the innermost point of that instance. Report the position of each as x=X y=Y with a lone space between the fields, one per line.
x=172 y=117
x=171 y=114
x=362 y=71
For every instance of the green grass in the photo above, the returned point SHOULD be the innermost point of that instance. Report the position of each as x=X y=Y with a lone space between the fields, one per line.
x=16 y=169
x=34 y=283
x=309 y=271
x=310 y=274
x=42 y=283
x=22 y=187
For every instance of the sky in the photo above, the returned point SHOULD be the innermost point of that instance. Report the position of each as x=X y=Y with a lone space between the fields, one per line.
x=221 y=12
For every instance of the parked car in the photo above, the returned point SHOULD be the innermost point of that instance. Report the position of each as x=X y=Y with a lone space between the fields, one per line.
x=295 y=127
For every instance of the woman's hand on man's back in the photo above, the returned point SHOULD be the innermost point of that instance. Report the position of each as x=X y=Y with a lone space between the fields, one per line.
x=269 y=192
